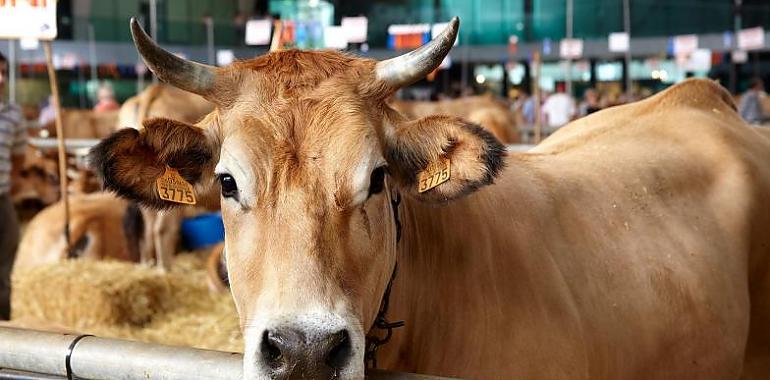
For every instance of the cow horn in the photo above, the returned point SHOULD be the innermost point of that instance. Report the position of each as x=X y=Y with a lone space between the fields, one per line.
x=187 y=75
x=415 y=65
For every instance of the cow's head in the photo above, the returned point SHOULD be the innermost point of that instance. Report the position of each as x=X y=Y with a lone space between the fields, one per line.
x=306 y=154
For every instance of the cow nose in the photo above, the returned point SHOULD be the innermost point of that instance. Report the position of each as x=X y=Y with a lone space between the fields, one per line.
x=293 y=353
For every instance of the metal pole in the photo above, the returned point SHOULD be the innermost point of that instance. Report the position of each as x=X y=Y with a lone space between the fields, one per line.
x=92 y=54
x=209 y=21
x=737 y=21
x=536 y=95
x=570 y=15
x=60 y=138
x=12 y=71
x=627 y=56
x=154 y=28
x=101 y=358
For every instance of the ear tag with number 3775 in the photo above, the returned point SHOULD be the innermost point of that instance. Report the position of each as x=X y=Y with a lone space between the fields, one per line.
x=173 y=188
x=435 y=174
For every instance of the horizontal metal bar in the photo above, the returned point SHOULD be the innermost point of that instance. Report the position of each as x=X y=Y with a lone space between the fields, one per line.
x=117 y=359
x=69 y=144
x=9 y=374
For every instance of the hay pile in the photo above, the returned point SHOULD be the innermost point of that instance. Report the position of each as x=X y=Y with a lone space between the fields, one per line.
x=122 y=300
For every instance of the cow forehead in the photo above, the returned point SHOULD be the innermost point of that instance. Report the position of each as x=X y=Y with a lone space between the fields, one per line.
x=332 y=153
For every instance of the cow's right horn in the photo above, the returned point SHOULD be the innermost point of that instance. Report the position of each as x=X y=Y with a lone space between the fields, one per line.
x=187 y=75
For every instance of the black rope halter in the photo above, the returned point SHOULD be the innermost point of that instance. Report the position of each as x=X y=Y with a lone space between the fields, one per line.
x=374 y=342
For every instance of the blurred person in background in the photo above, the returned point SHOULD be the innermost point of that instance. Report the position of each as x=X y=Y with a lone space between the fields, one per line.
x=47 y=112
x=106 y=99
x=590 y=103
x=559 y=108
x=750 y=107
x=12 y=145
x=527 y=108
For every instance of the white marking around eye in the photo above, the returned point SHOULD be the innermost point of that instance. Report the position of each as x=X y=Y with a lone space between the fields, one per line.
x=362 y=174
x=230 y=163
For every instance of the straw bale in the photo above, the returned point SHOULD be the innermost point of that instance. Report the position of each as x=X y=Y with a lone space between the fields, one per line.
x=123 y=300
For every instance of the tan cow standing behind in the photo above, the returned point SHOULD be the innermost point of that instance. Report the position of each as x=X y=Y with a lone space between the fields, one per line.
x=161 y=228
x=483 y=110
x=83 y=124
x=620 y=248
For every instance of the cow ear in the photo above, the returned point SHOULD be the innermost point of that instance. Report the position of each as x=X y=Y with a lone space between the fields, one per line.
x=440 y=158
x=130 y=161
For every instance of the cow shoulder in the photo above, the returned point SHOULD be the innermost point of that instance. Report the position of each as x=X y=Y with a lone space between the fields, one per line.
x=697 y=93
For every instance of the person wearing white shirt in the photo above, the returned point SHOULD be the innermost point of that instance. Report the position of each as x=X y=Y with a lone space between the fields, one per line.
x=559 y=108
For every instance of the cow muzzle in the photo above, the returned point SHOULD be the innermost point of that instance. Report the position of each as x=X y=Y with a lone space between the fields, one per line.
x=291 y=353
x=308 y=347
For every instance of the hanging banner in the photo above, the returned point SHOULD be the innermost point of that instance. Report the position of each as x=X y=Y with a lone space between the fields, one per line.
x=683 y=45
x=619 y=42
x=258 y=32
x=751 y=39
x=740 y=56
x=335 y=37
x=571 y=48
x=28 y=19
x=408 y=36
x=355 y=28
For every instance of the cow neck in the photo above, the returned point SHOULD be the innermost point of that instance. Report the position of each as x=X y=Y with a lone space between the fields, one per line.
x=451 y=252
x=373 y=342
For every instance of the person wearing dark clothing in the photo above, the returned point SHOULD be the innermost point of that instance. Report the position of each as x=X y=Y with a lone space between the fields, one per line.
x=12 y=143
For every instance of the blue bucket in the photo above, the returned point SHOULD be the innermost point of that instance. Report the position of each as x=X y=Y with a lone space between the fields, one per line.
x=202 y=231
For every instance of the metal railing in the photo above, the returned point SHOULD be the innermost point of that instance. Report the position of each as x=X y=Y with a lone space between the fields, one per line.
x=30 y=354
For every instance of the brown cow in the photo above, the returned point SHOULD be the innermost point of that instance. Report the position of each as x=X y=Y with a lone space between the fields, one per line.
x=483 y=110
x=37 y=184
x=620 y=248
x=96 y=232
x=160 y=100
x=83 y=124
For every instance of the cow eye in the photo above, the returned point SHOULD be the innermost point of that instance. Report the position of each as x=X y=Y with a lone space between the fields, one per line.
x=229 y=187
x=377 y=181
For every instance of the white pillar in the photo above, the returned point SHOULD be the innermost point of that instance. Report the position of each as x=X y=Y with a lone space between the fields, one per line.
x=154 y=27
x=627 y=29
x=570 y=14
x=12 y=71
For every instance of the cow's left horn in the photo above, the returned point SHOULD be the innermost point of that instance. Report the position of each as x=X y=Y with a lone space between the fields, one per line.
x=187 y=75
x=415 y=65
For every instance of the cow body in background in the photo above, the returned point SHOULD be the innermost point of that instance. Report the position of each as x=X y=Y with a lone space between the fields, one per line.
x=161 y=229
x=619 y=248
x=96 y=232
x=483 y=110
x=160 y=100
x=82 y=124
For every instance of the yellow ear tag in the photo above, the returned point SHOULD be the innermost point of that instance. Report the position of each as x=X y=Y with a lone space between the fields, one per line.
x=435 y=174
x=173 y=188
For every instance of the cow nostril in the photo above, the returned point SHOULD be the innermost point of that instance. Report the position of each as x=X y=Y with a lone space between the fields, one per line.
x=340 y=353
x=270 y=348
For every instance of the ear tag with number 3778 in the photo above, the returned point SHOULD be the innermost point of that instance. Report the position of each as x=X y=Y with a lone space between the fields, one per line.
x=435 y=174
x=173 y=188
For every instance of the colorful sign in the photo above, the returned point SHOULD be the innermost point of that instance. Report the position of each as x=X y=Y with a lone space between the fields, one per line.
x=751 y=39
x=571 y=48
x=408 y=36
x=28 y=19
